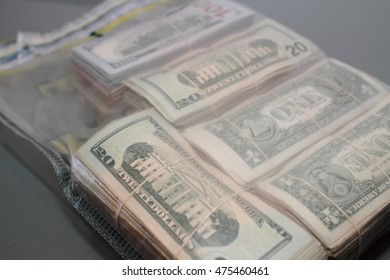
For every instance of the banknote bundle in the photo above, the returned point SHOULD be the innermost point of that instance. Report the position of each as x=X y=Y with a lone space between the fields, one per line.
x=340 y=187
x=112 y=59
x=205 y=130
x=203 y=83
x=158 y=192
x=255 y=138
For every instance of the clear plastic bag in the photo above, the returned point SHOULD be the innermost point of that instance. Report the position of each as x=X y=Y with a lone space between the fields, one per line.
x=178 y=139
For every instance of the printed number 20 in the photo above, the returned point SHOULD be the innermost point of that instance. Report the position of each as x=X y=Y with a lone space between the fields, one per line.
x=296 y=48
x=102 y=154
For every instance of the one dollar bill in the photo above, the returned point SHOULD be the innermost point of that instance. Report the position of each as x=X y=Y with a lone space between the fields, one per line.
x=256 y=138
x=340 y=187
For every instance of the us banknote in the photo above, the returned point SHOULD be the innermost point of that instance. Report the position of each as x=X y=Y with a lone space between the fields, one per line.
x=203 y=82
x=155 y=185
x=256 y=138
x=112 y=59
x=340 y=187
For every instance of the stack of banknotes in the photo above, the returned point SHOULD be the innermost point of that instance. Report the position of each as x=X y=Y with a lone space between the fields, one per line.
x=258 y=136
x=114 y=58
x=204 y=83
x=258 y=145
x=169 y=202
x=180 y=27
x=167 y=197
x=205 y=130
x=339 y=188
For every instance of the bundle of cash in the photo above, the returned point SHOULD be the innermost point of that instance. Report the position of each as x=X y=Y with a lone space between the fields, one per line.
x=110 y=94
x=257 y=137
x=258 y=146
x=339 y=189
x=108 y=101
x=112 y=59
x=162 y=197
x=105 y=106
x=205 y=82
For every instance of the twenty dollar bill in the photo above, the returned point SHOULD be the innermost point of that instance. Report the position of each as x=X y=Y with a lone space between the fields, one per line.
x=158 y=187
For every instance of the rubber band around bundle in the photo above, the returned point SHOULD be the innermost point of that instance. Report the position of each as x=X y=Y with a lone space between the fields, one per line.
x=248 y=73
x=361 y=103
x=254 y=144
x=371 y=159
x=251 y=76
x=356 y=147
x=269 y=161
x=280 y=98
x=177 y=31
x=378 y=116
x=120 y=207
x=342 y=89
x=358 y=232
x=334 y=204
x=235 y=126
x=367 y=154
x=305 y=112
x=188 y=238
x=321 y=128
x=364 y=152
x=201 y=91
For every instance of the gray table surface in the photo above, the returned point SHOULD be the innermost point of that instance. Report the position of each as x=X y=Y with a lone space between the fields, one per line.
x=36 y=220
